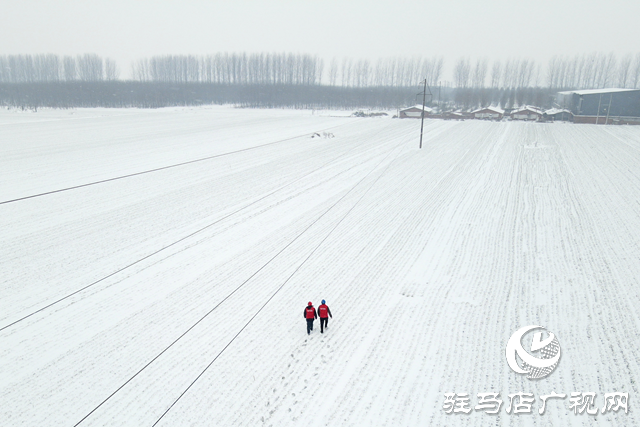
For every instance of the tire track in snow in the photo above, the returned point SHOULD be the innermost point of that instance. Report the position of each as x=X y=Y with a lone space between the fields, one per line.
x=184 y=238
x=371 y=273
x=548 y=236
x=229 y=421
x=86 y=366
x=75 y=187
x=259 y=310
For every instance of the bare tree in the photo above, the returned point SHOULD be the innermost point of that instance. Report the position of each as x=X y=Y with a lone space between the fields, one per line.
x=509 y=74
x=480 y=72
x=597 y=61
x=552 y=72
x=634 y=77
x=69 y=66
x=90 y=67
x=333 y=72
x=345 y=73
x=579 y=67
x=4 y=70
x=570 y=72
x=608 y=69
x=47 y=68
x=588 y=67
x=496 y=74
x=624 y=69
x=461 y=73
x=391 y=72
x=111 y=70
x=524 y=69
x=436 y=69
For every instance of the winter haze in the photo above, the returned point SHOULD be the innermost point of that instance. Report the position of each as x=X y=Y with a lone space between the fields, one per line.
x=128 y=30
x=179 y=179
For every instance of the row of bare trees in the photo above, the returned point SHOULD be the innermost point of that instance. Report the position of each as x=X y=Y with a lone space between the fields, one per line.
x=594 y=71
x=56 y=68
x=512 y=74
x=521 y=81
x=148 y=94
x=391 y=72
x=231 y=69
x=283 y=69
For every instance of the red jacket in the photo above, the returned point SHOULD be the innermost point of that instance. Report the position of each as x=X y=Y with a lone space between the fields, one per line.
x=310 y=312
x=324 y=311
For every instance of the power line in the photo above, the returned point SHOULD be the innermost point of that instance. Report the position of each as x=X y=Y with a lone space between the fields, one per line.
x=155 y=169
x=286 y=281
x=239 y=287
x=171 y=244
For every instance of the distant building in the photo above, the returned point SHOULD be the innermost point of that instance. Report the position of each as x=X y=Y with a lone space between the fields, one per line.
x=526 y=113
x=488 y=113
x=602 y=106
x=454 y=115
x=557 y=115
x=414 y=112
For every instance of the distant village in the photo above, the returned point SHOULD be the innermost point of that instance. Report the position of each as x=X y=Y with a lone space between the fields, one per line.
x=595 y=106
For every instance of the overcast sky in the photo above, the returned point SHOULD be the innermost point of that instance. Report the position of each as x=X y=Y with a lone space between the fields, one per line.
x=497 y=29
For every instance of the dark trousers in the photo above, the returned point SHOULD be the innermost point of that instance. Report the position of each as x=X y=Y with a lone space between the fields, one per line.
x=309 y=325
x=323 y=323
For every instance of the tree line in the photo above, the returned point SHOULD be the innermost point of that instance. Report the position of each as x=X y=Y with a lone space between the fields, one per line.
x=277 y=69
x=298 y=80
x=391 y=72
x=592 y=71
x=231 y=69
x=56 y=68
x=162 y=94
x=516 y=82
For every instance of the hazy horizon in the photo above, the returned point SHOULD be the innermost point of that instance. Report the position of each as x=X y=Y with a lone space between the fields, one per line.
x=126 y=31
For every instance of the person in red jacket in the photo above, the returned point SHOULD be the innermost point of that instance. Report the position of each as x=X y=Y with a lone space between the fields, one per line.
x=324 y=313
x=311 y=315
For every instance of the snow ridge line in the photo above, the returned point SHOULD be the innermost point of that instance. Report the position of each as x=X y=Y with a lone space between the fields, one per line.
x=75 y=187
x=292 y=274
x=178 y=241
x=240 y=286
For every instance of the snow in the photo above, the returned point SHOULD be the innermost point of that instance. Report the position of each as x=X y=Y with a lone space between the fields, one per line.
x=595 y=91
x=553 y=111
x=493 y=109
x=419 y=107
x=527 y=108
x=195 y=276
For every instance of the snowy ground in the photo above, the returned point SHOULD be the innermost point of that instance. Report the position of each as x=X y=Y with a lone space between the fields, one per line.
x=170 y=290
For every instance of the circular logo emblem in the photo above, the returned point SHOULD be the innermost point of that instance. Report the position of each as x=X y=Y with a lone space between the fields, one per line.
x=545 y=357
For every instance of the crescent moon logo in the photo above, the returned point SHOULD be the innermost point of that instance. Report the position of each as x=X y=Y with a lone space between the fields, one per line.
x=533 y=366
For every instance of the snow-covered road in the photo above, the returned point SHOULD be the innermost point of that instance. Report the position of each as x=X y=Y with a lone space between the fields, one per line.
x=155 y=265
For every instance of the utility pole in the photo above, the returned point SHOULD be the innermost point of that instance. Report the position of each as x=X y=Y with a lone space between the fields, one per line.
x=608 y=109
x=598 y=114
x=424 y=96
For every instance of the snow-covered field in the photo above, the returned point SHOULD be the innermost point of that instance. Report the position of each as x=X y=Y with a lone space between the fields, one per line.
x=155 y=265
